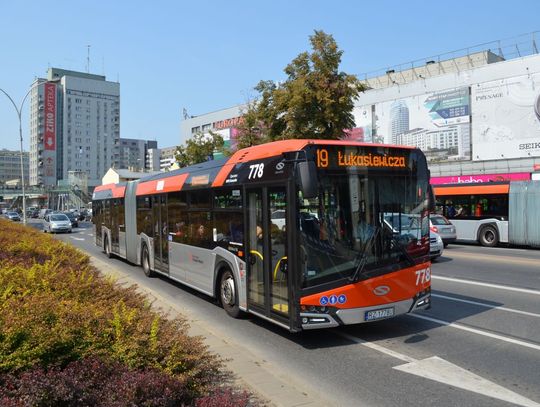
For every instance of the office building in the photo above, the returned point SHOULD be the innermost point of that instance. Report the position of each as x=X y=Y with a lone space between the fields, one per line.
x=74 y=126
x=10 y=166
x=132 y=153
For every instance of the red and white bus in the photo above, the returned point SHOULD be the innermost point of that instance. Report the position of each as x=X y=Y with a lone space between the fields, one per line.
x=490 y=213
x=274 y=230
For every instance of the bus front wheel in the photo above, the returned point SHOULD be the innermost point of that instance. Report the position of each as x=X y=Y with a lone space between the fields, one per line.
x=489 y=236
x=145 y=260
x=229 y=294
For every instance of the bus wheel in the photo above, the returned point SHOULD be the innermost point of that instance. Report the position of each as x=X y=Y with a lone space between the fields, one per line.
x=489 y=236
x=145 y=260
x=229 y=294
x=107 y=247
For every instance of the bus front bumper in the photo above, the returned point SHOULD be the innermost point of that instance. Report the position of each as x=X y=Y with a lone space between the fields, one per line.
x=350 y=316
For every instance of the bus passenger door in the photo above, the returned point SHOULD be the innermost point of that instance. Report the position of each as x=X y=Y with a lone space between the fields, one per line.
x=121 y=228
x=268 y=290
x=161 y=247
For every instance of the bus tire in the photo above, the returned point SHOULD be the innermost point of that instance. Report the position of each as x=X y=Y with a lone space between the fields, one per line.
x=228 y=294
x=107 y=247
x=489 y=236
x=145 y=262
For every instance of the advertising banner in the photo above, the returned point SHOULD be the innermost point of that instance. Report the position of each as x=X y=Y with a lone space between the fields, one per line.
x=438 y=123
x=364 y=125
x=480 y=178
x=48 y=156
x=506 y=118
x=50 y=116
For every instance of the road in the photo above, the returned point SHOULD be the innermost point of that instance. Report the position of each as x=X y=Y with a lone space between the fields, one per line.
x=479 y=345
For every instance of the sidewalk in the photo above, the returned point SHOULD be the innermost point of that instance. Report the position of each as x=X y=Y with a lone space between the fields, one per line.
x=252 y=373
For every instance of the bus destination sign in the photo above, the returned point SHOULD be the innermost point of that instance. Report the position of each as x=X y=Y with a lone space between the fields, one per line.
x=339 y=158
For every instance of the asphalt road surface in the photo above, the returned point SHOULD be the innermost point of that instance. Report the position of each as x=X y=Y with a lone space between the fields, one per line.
x=479 y=345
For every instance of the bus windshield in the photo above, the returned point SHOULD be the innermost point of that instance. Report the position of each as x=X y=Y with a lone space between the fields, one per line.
x=363 y=225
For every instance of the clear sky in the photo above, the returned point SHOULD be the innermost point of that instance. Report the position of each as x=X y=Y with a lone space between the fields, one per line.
x=207 y=55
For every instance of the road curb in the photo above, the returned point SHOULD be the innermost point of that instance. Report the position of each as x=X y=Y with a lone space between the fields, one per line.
x=252 y=372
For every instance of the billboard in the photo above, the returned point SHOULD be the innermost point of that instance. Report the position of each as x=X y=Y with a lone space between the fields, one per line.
x=48 y=156
x=506 y=118
x=50 y=116
x=481 y=178
x=438 y=123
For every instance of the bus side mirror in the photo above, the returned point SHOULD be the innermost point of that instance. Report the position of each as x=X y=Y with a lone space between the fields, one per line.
x=431 y=199
x=307 y=178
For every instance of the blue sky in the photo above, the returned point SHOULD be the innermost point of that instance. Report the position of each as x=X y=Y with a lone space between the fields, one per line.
x=207 y=55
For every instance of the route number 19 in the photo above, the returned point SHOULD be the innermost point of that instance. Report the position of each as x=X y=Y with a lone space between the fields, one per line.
x=322 y=158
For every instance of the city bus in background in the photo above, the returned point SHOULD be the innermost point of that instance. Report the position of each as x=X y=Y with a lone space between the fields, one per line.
x=296 y=232
x=493 y=212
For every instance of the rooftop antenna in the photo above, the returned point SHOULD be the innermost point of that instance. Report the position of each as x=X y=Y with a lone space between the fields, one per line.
x=88 y=59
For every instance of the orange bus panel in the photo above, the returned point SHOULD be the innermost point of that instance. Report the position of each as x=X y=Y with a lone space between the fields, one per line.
x=403 y=284
x=474 y=189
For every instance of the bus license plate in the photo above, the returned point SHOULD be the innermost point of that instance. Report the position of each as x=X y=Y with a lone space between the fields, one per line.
x=379 y=314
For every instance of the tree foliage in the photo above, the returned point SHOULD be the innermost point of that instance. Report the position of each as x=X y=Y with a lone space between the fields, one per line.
x=315 y=101
x=200 y=148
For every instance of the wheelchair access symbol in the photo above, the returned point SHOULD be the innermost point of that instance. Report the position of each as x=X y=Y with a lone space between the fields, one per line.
x=324 y=300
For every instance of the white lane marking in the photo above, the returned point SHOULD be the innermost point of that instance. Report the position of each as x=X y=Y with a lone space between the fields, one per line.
x=478 y=331
x=376 y=347
x=500 y=287
x=453 y=375
x=442 y=371
x=482 y=304
x=76 y=238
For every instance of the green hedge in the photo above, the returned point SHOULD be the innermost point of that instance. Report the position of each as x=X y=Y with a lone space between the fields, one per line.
x=55 y=308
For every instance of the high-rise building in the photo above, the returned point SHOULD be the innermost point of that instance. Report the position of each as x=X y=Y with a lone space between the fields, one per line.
x=10 y=166
x=132 y=153
x=74 y=126
x=399 y=120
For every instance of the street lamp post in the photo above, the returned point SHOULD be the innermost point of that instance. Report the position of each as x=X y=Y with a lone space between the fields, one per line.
x=19 y=112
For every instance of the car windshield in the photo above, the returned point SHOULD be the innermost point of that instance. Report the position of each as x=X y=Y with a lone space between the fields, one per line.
x=59 y=217
x=13 y=214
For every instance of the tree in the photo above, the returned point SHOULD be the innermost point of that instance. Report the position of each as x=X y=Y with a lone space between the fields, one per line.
x=316 y=100
x=200 y=148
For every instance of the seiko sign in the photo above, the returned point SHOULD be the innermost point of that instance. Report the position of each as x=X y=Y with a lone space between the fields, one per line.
x=529 y=146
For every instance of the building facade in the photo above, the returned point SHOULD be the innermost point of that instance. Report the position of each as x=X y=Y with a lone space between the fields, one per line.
x=132 y=153
x=74 y=126
x=473 y=112
x=10 y=166
x=222 y=122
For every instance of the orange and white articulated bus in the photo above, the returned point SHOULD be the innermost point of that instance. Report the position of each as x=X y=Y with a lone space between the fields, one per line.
x=490 y=213
x=302 y=233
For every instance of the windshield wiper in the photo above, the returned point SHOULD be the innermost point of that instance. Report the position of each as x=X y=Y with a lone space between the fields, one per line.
x=402 y=250
x=363 y=257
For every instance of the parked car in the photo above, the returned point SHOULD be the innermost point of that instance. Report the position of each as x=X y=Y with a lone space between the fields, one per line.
x=436 y=245
x=57 y=222
x=442 y=226
x=74 y=219
x=14 y=216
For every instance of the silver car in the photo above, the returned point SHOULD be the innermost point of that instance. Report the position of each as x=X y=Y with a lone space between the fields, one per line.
x=442 y=226
x=13 y=216
x=57 y=222
x=436 y=245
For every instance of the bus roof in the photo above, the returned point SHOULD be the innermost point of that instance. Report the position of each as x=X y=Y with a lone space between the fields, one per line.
x=215 y=172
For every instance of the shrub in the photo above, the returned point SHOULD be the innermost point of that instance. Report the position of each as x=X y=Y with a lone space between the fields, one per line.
x=91 y=382
x=55 y=309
